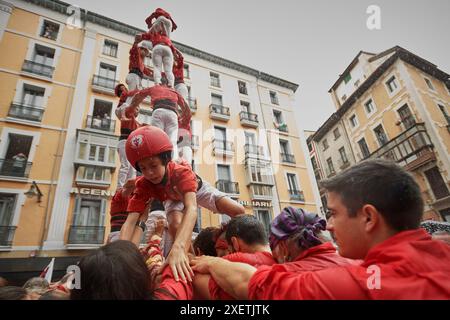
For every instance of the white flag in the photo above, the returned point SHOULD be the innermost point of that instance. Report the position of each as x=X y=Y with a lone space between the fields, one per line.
x=48 y=271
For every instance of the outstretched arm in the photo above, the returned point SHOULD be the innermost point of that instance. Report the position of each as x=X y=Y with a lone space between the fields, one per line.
x=233 y=277
x=178 y=259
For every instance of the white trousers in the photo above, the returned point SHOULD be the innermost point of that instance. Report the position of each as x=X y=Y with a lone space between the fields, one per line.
x=182 y=89
x=167 y=120
x=126 y=171
x=162 y=56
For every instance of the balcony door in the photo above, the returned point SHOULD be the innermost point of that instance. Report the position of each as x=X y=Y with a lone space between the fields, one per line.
x=220 y=135
x=89 y=213
x=292 y=182
x=7 y=202
x=16 y=156
x=263 y=215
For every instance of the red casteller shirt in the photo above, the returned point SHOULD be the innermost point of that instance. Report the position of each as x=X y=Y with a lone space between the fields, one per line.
x=159 y=92
x=412 y=266
x=184 y=120
x=256 y=259
x=178 y=68
x=317 y=258
x=118 y=212
x=177 y=175
x=136 y=61
x=157 y=38
x=178 y=290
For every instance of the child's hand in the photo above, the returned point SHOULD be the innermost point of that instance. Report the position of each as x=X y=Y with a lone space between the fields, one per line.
x=179 y=263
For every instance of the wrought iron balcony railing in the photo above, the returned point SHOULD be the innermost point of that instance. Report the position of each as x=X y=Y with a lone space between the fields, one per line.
x=227 y=186
x=223 y=146
x=248 y=116
x=7 y=235
x=26 y=112
x=286 y=157
x=38 y=68
x=86 y=235
x=103 y=82
x=15 y=168
x=103 y=124
x=296 y=195
x=219 y=109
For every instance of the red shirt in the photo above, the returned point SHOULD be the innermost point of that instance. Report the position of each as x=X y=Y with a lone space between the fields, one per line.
x=157 y=38
x=184 y=120
x=178 y=67
x=254 y=259
x=177 y=175
x=118 y=211
x=169 y=289
x=411 y=265
x=317 y=258
x=137 y=63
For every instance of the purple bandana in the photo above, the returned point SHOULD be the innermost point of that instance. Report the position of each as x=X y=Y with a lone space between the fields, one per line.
x=292 y=221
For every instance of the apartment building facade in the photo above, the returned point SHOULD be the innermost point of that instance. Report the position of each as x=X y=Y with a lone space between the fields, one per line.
x=59 y=135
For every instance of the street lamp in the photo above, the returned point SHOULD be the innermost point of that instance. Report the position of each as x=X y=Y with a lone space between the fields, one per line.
x=34 y=191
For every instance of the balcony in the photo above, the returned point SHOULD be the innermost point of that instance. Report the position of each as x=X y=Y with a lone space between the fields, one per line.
x=219 y=112
x=223 y=148
x=296 y=195
x=261 y=192
x=38 y=68
x=26 y=112
x=330 y=172
x=195 y=142
x=102 y=124
x=282 y=127
x=7 y=235
x=96 y=148
x=104 y=85
x=14 y=168
x=227 y=186
x=411 y=149
x=87 y=235
x=248 y=119
x=343 y=164
x=253 y=151
x=287 y=158
x=192 y=104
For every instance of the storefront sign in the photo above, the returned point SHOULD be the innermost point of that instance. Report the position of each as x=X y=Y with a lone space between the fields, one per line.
x=255 y=203
x=93 y=192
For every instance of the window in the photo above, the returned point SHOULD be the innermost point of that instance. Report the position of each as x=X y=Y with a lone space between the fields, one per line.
x=369 y=106
x=445 y=113
x=437 y=183
x=264 y=217
x=330 y=166
x=336 y=133
x=353 y=121
x=364 y=148
x=43 y=55
x=220 y=135
x=16 y=162
x=107 y=71
x=406 y=116
x=277 y=116
x=242 y=87
x=325 y=144
x=429 y=84
x=343 y=155
x=32 y=95
x=245 y=106
x=101 y=115
x=223 y=172
x=49 y=30
x=110 y=48
x=392 y=84
x=347 y=78
x=273 y=97
x=216 y=100
x=284 y=145
x=381 y=135
x=89 y=213
x=215 y=80
x=7 y=204
x=100 y=150
x=292 y=182
x=186 y=71
x=250 y=138
x=94 y=174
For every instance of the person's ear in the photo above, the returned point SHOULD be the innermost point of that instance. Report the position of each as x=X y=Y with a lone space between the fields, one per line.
x=370 y=217
x=235 y=244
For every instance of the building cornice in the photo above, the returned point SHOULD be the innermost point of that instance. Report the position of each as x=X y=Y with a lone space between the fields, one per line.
x=87 y=16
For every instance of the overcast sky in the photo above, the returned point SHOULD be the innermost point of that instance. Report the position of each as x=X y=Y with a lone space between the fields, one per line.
x=306 y=42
